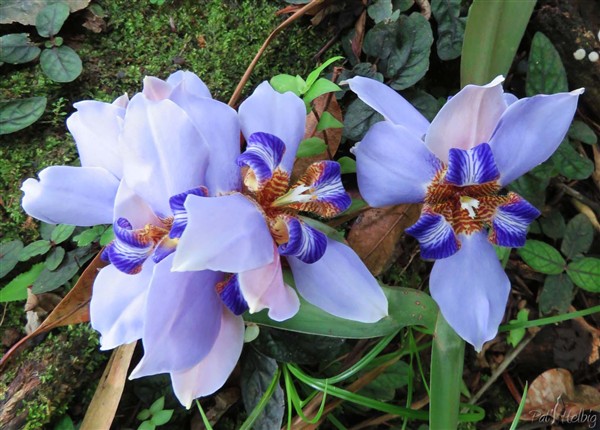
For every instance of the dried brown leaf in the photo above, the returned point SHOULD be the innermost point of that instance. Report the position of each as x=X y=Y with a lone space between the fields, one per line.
x=376 y=233
x=359 y=34
x=103 y=406
x=553 y=394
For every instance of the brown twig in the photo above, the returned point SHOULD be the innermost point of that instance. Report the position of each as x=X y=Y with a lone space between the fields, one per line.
x=296 y=15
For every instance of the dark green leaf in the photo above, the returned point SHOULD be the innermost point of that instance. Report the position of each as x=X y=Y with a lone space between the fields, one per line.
x=579 y=236
x=61 y=233
x=385 y=385
x=17 y=288
x=583 y=133
x=157 y=405
x=347 y=164
x=532 y=188
x=51 y=19
x=55 y=258
x=38 y=247
x=9 y=256
x=311 y=146
x=403 y=5
x=451 y=28
x=571 y=163
x=257 y=373
x=410 y=61
x=407 y=307
x=15 y=115
x=542 y=257
x=546 y=74
x=46 y=230
x=162 y=417
x=284 y=83
x=61 y=64
x=58 y=41
x=492 y=35
x=299 y=348
x=328 y=121
x=65 y=423
x=381 y=10
x=553 y=225
x=147 y=425
x=557 y=294
x=17 y=49
x=585 y=273
x=90 y=235
x=359 y=118
x=51 y=280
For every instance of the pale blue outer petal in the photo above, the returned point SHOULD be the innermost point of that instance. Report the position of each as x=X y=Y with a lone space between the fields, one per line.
x=390 y=104
x=393 y=166
x=471 y=289
x=133 y=208
x=207 y=376
x=467 y=119
x=156 y=89
x=164 y=154
x=283 y=115
x=81 y=196
x=96 y=127
x=339 y=283
x=530 y=131
x=182 y=319
x=187 y=83
x=264 y=288
x=218 y=124
x=226 y=233
x=117 y=308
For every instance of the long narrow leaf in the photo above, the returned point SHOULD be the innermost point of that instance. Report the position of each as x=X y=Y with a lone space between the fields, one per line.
x=492 y=35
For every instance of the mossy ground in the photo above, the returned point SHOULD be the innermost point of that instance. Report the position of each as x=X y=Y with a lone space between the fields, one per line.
x=215 y=39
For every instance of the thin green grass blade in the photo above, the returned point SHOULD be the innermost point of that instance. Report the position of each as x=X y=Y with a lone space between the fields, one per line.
x=492 y=36
x=549 y=320
x=515 y=422
x=204 y=417
x=447 y=358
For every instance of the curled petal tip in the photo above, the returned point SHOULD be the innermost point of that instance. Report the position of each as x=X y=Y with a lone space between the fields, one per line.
x=496 y=81
x=578 y=91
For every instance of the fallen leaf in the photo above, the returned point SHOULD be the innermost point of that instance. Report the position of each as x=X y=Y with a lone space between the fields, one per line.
x=376 y=233
x=553 y=395
x=103 y=406
x=93 y=22
x=37 y=307
x=72 y=309
x=331 y=136
x=359 y=35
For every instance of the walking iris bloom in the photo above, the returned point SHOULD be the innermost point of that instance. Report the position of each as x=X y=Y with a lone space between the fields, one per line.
x=480 y=141
x=164 y=169
x=140 y=159
x=253 y=226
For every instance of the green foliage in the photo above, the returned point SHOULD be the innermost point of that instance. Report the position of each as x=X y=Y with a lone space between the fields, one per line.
x=542 y=257
x=347 y=164
x=311 y=146
x=585 y=273
x=391 y=379
x=17 y=288
x=39 y=247
x=17 y=49
x=579 y=235
x=382 y=10
x=451 y=28
x=61 y=232
x=328 y=121
x=546 y=73
x=557 y=294
x=156 y=415
x=515 y=336
x=51 y=19
x=9 y=256
x=18 y=114
x=258 y=372
x=61 y=64
x=583 y=133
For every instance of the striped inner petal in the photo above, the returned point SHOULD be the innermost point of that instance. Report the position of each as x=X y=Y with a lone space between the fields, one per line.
x=231 y=295
x=305 y=243
x=435 y=235
x=180 y=217
x=510 y=221
x=130 y=248
x=319 y=191
x=263 y=155
x=471 y=166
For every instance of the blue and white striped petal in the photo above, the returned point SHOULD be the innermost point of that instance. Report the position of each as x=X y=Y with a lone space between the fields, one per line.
x=319 y=191
x=435 y=235
x=471 y=166
x=180 y=217
x=305 y=243
x=263 y=155
x=130 y=248
x=165 y=247
x=231 y=295
x=510 y=222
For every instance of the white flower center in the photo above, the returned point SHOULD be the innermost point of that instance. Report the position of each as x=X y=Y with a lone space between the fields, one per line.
x=469 y=204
